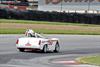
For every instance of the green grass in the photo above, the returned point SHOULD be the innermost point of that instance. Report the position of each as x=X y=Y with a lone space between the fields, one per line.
x=93 y=60
x=47 y=31
x=44 y=22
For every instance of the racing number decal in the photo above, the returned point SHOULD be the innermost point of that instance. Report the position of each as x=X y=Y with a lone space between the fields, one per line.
x=50 y=42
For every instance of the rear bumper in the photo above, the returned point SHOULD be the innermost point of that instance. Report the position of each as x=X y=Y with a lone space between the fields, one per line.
x=28 y=46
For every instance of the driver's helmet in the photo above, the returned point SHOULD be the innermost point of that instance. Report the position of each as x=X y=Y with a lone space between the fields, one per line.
x=30 y=33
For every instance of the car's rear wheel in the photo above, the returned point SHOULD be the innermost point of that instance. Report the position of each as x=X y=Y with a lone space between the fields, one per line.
x=21 y=49
x=45 y=49
x=57 y=47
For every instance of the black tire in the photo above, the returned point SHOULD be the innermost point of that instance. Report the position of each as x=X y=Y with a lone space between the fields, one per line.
x=21 y=49
x=57 y=47
x=45 y=49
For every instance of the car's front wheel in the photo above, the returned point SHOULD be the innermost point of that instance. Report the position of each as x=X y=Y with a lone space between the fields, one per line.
x=57 y=47
x=21 y=49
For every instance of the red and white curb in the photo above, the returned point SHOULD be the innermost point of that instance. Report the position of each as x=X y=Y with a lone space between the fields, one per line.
x=66 y=62
x=73 y=63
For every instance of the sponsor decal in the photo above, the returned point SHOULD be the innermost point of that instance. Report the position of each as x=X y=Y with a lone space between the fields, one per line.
x=49 y=41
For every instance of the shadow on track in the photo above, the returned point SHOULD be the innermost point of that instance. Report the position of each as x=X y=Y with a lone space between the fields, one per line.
x=75 y=51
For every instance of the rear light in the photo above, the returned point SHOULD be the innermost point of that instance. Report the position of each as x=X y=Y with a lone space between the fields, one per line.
x=17 y=41
x=39 y=42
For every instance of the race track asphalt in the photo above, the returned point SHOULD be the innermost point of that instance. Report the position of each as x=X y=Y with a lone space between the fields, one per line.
x=72 y=45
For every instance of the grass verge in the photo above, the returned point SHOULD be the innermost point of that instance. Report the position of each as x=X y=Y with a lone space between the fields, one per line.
x=93 y=60
x=48 y=31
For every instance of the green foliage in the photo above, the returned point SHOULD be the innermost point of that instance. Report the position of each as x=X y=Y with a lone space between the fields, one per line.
x=85 y=18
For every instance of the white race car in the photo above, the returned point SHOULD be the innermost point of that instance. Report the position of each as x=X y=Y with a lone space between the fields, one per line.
x=38 y=43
